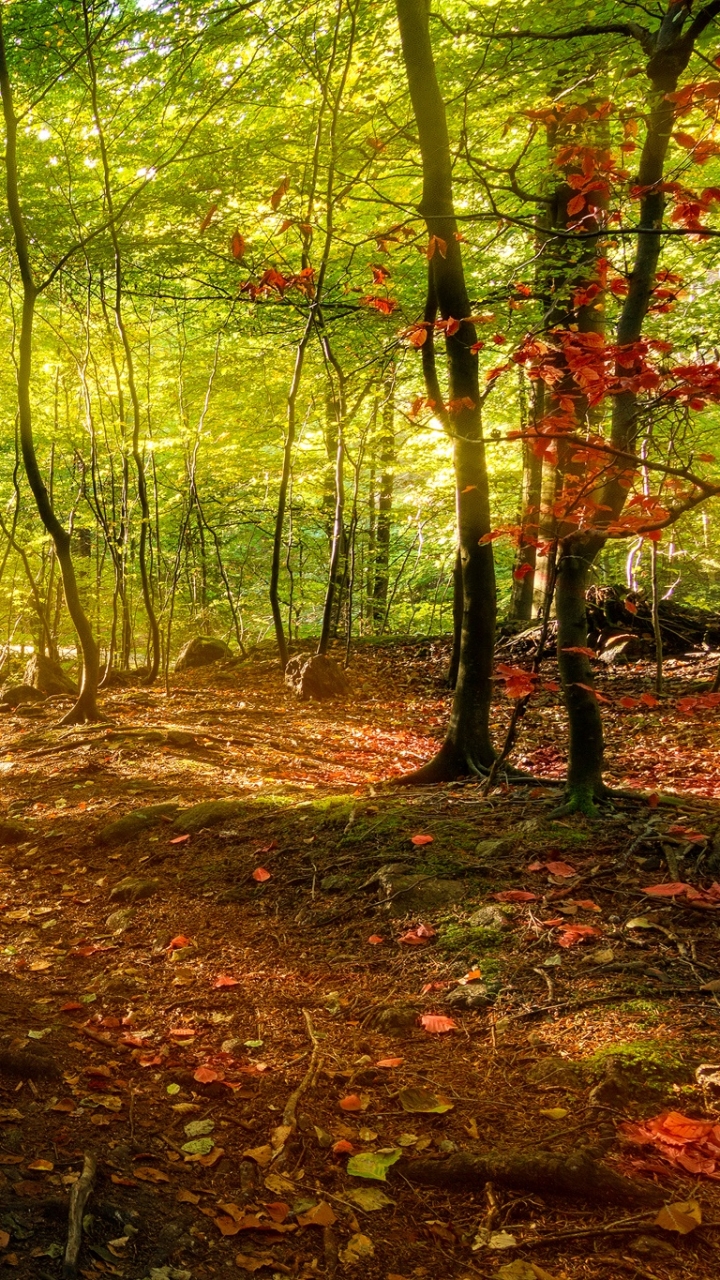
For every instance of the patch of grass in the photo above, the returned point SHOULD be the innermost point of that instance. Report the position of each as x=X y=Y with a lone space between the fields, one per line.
x=646 y=1008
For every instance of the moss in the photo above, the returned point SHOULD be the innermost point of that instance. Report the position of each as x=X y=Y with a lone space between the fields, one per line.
x=644 y=1062
x=456 y=937
x=645 y=1008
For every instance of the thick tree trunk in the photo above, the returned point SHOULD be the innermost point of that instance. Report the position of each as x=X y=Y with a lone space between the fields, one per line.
x=585 y=761
x=467 y=747
x=85 y=708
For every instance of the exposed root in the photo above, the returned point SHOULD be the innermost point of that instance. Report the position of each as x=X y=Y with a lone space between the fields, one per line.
x=577 y=1174
x=79 y=1195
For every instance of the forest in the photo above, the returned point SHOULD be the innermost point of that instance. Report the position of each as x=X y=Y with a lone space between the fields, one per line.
x=359 y=639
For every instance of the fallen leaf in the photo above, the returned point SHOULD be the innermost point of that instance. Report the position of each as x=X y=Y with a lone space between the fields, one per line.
x=373 y=1164
x=683 y=1216
x=278 y=1210
x=224 y=980
x=44 y=1166
x=179 y=840
x=261 y=875
x=572 y=933
x=353 y=1102
x=4 y=1239
x=437 y=1024
x=673 y=889
x=562 y=869
x=554 y=1113
x=389 y=1062
x=515 y=895
x=358 y=1248
x=418 y=936
x=320 y=1216
x=420 y=839
x=261 y=1155
x=375 y=940
x=198 y=1147
x=205 y=1075
x=187 y=1197
x=369 y=1198
x=343 y=1147
x=281 y=1185
x=423 y=1100
x=146 y=1173
x=253 y=1261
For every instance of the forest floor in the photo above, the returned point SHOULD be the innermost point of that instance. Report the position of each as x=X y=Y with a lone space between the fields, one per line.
x=179 y=978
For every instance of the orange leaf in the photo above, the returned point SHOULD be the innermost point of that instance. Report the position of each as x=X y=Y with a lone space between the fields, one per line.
x=224 y=980
x=208 y=218
x=389 y=1062
x=560 y=869
x=238 y=246
x=179 y=840
x=515 y=895
x=437 y=1024
x=261 y=875
x=343 y=1147
x=576 y=205
x=177 y=942
x=205 y=1075
x=573 y=933
x=353 y=1102
x=279 y=192
x=321 y=1215
x=375 y=939
x=278 y=1210
x=146 y=1173
x=421 y=839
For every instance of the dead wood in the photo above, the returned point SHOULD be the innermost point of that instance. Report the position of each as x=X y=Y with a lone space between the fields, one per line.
x=30 y=1066
x=577 y=1175
x=79 y=1194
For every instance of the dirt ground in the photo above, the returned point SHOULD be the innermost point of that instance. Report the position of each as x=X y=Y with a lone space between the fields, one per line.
x=228 y=1007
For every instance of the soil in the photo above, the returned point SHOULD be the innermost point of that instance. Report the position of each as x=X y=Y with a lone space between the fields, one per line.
x=265 y=953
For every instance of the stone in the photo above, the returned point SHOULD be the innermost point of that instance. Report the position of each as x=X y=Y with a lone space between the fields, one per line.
x=316 y=677
x=337 y=883
x=48 y=676
x=119 y=921
x=202 y=651
x=474 y=995
x=131 y=824
x=180 y=738
x=490 y=917
x=14 y=694
x=209 y=813
x=417 y=893
x=133 y=888
x=395 y=1018
x=33 y=710
x=489 y=850
x=708 y=1076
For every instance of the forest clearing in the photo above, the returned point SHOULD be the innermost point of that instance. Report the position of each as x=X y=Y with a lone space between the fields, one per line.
x=359 y=639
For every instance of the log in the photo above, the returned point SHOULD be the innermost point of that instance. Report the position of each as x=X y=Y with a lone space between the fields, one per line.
x=578 y=1175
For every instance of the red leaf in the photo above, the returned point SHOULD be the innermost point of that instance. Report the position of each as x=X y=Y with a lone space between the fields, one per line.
x=419 y=936
x=560 y=869
x=515 y=895
x=261 y=875
x=238 y=246
x=389 y=1062
x=342 y=1147
x=421 y=839
x=70 y=1006
x=631 y=606
x=208 y=218
x=628 y=702
x=375 y=939
x=437 y=1024
x=224 y=980
x=522 y=571
x=648 y=700
x=177 y=942
x=673 y=889
x=576 y=205
x=205 y=1075
x=278 y=1210
x=179 y=840
x=279 y=192
x=573 y=933
x=653 y=800
x=353 y=1102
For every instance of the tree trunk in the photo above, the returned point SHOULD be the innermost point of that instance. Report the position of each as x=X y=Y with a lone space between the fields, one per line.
x=386 y=459
x=85 y=708
x=467 y=747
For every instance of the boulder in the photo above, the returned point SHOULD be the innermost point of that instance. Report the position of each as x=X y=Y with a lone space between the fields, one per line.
x=48 y=676
x=474 y=995
x=416 y=892
x=14 y=694
x=316 y=677
x=490 y=917
x=201 y=652
x=133 y=888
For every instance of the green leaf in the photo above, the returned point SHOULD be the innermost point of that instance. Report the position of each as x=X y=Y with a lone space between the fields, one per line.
x=198 y=1147
x=373 y=1164
x=425 y=1101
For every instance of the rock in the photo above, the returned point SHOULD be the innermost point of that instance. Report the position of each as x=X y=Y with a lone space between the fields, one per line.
x=490 y=917
x=395 y=1018
x=124 y=677
x=30 y=709
x=208 y=814
x=316 y=677
x=14 y=832
x=201 y=652
x=337 y=884
x=48 y=676
x=708 y=1076
x=474 y=995
x=133 y=888
x=415 y=892
x=180 y=738
x=119 y=921
x=489 y=850
x=131 y=824
x=14 y=694
x=651 y=1246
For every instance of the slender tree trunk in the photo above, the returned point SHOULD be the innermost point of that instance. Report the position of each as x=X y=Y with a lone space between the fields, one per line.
x=523 y=587
x=85 y=708
x=467 y=747
x=386 y=458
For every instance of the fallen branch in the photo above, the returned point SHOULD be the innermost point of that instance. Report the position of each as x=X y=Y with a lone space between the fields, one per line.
x=577 y=1174
x=289 y=1116
x=79 y=1194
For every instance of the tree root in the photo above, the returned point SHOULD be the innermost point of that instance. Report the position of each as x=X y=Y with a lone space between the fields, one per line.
x=577 y=1174
x=79 y=1195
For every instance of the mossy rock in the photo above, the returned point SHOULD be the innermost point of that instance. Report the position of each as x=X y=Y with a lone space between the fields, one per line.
x=131 y=824
x=14 y=832
x=557 y=1071
x=623 y=1071
x=210 y=813
x=457 y=937
x=133 y=889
